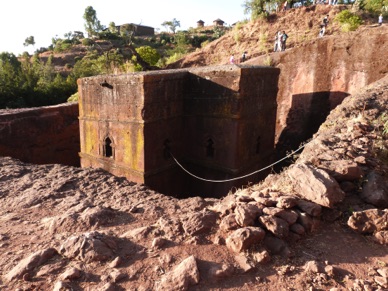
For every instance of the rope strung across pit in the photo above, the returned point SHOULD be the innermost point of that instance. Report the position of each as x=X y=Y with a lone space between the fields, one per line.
x=236 y=178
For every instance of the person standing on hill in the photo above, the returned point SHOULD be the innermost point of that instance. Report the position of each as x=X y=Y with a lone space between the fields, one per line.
x=283 y=39
x=276 y=44
x=380 y=19
x=244 y=57
x=231 y=60
x=325 y=20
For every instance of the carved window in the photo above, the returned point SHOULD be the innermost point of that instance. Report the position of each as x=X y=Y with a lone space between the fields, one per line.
x=258 y=145
x=108 y=150
x=210 y=148
x=166 y=149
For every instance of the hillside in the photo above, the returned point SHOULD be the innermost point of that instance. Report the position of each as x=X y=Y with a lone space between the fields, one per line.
x=257 y=37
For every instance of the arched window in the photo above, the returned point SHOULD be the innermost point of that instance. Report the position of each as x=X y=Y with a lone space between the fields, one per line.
x=108 y=151
x=166 y=149
x=209 y=148
x=258 y=145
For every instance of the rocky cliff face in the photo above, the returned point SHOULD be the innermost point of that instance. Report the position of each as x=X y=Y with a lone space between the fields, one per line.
x=41 y=135
x=315 y=78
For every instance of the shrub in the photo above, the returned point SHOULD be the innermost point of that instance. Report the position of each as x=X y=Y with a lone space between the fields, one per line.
x=148 y=54
x=73 y=97
x=348 y=20
x=87 y=42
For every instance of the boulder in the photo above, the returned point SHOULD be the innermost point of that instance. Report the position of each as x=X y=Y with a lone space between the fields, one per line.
x=243 y=238
x=286 y=202
x=27 y=265
x=310 y=208
x=229 y=223
x=220 y=272
x=181 y=277
x=286 y=214
x=369 y=221
x=276 y=225
x=199 y=223
x=381 y=237
x=276 y=246
x=375 y=190
x=342 y=170
x=88 y=247
x=244 y=263
x=170 y=228
x=71 y=274
x=262 y=257
x=246 y=214
x=315 y=185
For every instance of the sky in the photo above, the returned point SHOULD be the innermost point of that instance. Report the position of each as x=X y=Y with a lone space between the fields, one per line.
x=46 y=19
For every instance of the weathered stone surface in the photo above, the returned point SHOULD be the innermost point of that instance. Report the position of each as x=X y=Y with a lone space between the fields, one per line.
x=57 y=124
x=381 y=237
x=170 y=228
x=286 y=202
x=276 y=225
x=343 y=170
x=288 y=215
x=244 y=263
x=313 y=267
x=27 y=265
x=381 y=281
x=117 y=275
x=229 y=222
x=71 y=274
x=306 y=221
x=375 y=191
x=81 y=219
x=246 y=214
x=199 y=223
x=184 y=275
x=158 y=242
x=87 y=247
x=221 y=272
x=383 y=272
x=276 y=246
x=315 y=185
x=116 y=262
x=262 y=257
x=310 y=208
x=369 y=221
x=298 y=229
x=140 y=233
x=243 y=238
x=60 y=286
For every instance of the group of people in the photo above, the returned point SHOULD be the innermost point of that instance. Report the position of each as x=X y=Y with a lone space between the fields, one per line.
x=280 y=41
x=244 y=57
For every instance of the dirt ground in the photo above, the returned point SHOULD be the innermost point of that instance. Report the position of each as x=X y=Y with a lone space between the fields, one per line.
x=67 y=228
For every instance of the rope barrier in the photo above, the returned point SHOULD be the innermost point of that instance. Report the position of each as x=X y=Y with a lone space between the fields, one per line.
x=236 y=178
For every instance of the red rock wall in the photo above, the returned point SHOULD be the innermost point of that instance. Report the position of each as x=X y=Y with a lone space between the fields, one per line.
x=44 y=135
x=317 y=77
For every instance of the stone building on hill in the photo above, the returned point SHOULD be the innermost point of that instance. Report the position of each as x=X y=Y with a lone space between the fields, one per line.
x=139 y=30
x=217 y=122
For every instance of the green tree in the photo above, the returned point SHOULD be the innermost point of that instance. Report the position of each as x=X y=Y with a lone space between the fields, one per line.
x=126 y=32
x=257 y=8
x=376 y=6
x=92 y=24
x=112 y=27
x=148 y=54
x=172 y=25
x=29 y=41
x=11 y=81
